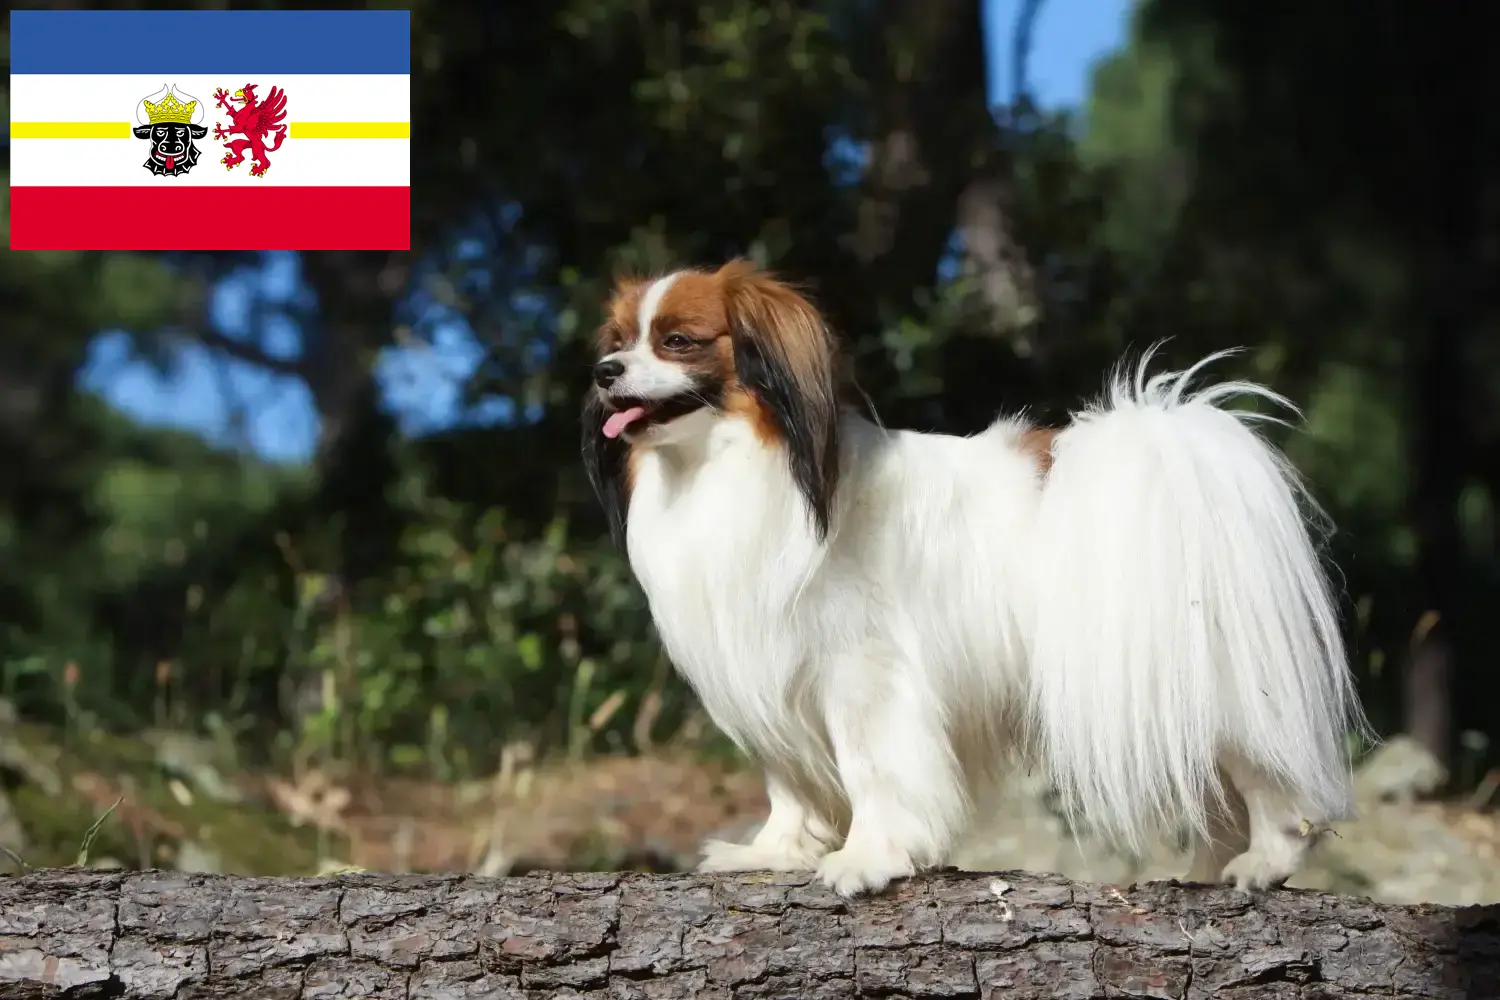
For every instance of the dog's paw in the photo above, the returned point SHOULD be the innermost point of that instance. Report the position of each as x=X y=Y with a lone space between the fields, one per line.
x=852 y=871
x=722 y=856
x=1255 y=870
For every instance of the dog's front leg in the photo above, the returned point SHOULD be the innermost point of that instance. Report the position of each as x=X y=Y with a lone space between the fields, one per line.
x=898 y=770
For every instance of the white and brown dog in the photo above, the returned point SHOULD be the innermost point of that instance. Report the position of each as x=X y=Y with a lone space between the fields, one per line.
x=885 y=620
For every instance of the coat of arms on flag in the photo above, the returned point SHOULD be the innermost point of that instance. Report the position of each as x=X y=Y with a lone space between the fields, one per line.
x=138 y=180
x=260 y=122
x=171 y=124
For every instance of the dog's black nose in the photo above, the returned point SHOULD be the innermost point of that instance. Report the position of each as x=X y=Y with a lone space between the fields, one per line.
x=606 y=371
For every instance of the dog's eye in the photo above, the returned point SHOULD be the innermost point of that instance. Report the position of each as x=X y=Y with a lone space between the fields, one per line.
x=676 y=342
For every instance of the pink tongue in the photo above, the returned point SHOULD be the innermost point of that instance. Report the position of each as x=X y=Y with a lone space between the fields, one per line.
x=621 y=419
x=171 y=162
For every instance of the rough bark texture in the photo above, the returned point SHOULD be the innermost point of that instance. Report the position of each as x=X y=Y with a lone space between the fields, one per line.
x=79 y=933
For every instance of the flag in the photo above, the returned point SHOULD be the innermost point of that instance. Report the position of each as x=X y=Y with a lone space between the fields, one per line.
x=210 y=130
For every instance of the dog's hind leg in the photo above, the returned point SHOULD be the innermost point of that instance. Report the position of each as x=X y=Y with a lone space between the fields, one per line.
x=1280 y=833
x=1227 y=837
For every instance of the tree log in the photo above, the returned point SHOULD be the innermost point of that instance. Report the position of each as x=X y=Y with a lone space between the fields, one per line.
x=82 y=933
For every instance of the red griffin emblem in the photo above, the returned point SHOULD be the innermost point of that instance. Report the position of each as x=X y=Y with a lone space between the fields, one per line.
x=255 y=120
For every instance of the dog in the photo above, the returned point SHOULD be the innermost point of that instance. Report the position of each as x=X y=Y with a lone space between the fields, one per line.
x=886 y=621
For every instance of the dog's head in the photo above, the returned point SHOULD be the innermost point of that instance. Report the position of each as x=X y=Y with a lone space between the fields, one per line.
x=677 y=353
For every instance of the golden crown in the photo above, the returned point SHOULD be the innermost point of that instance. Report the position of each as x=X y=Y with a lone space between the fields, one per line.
x=170 y=109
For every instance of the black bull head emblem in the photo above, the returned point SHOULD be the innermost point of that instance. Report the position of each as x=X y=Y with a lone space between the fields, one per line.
x=172 y=149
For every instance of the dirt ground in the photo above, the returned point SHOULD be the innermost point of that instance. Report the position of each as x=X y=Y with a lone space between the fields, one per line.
x=161 y=801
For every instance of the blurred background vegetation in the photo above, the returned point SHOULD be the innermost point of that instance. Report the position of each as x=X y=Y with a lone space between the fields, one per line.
x=409 y=644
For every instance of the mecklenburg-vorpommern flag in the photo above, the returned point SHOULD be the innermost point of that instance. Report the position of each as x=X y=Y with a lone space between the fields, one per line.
x=210 y=130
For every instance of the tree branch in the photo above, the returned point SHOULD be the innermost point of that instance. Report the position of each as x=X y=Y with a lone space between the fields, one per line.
x=82 y=933
x=242 y=350
x=1020 y=51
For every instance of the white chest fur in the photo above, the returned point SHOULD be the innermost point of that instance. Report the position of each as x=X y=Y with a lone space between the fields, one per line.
x=723 y=548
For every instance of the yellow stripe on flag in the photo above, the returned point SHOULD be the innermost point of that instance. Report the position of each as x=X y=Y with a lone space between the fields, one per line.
x=299 y=130
x=70 y=130
x=350 y=130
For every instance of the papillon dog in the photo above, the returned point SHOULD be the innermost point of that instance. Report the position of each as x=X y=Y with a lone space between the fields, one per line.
x=886 y=621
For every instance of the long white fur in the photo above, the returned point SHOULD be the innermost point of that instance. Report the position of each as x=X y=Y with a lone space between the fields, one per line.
x=1151 y=616
x=1182 y=614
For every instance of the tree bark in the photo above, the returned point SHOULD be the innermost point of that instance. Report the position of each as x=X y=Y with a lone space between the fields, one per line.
x=82 y=933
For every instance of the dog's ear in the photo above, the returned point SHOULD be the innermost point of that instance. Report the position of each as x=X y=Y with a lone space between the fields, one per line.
x=785 y=357
x=607 y=462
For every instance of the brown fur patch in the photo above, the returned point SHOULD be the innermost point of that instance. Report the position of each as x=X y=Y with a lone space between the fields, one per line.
x=691 y=329
x=632 y=469
x=618 y=330
x=762 y=306
x=766 y=304
x=786 y=361
x=1037 y=442
x=741 y=402
x=692 y=306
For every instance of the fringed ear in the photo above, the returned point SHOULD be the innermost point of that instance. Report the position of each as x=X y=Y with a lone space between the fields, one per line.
x=607 y=463
x=785 y=355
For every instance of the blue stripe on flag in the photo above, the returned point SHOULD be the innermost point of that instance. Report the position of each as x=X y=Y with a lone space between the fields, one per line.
x=179 y=42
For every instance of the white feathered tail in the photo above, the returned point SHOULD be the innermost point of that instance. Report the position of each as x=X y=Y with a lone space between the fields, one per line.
x=1182 y=612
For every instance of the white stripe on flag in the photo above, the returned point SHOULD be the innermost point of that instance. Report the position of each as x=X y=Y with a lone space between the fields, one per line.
x=120 y=163
x=309 y=97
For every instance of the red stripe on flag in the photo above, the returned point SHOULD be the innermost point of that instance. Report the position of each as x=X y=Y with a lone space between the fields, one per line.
x=210 y=218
